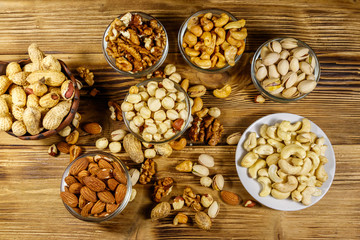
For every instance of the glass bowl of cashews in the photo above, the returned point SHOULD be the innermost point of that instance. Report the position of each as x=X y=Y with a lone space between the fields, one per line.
x=212 y=40
x=156 y=110
x=285 y=69
x=135 y=44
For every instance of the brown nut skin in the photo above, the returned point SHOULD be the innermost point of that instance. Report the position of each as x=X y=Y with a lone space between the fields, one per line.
x=68 y=90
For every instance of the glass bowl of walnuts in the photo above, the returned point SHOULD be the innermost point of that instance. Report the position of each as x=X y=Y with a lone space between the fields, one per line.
x=156 y=110
x=212 y=40
x=135 y=44
x=95 y=187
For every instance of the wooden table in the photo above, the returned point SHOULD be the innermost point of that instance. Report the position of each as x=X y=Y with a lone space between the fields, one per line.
x=72 y=30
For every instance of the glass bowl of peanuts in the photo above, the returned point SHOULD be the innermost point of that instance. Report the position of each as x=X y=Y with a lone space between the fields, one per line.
x=135 y=44
x=96 y=187
x=212 y=40
x=285 y=69
x=156 y=110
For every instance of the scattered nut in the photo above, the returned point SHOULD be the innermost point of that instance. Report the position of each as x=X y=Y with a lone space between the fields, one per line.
x=73 y=137
x=249 y=204
x=102 y=143
x=180 y=218
x=150 y=153
x=233 y=139
x=135 y=175
x=133 y=194
x=214 y=209
x=214 y=112
x=206 y=160
x=206 y=200
x=161 y=210
x=115 y=147
x=203 y=220
x=205 y=181
x=224 y=92
x=53 y=150
x=65 y=131
x=185 y=166
x=178 y=202
x=200 y=170
x=118 y=135
x=218 y=182
x=259 y=99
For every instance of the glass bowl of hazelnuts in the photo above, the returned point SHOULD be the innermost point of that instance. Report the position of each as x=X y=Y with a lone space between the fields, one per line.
x=135 y=44
x=96 y=187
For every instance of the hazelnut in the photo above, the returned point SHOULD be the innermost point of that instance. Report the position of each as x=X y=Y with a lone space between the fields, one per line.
x=102 y=143
x=115 y=147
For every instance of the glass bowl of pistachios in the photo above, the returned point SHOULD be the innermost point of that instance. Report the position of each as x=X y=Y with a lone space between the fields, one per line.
x=285 y=69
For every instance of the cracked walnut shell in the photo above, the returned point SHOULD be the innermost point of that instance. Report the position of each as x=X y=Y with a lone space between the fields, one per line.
x=147 y=171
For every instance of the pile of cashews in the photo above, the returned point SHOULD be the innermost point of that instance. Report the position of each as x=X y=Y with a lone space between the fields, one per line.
x=287 y=160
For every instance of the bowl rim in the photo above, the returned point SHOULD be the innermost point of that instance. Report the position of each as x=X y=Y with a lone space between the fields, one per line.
x=122 y=205
x=181 y=34
x=69 y=117
x=257 y=84
x=147 y=70
x=179 y=133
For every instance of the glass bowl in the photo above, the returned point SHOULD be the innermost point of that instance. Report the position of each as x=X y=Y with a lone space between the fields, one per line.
x=181 y=34
x=123 y=203
x=146 y=71
x=280 y=98
x=179 y=133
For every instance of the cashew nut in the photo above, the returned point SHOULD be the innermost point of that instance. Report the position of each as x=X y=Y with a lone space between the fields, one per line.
x=263 y=172
x=306 y=195
x=222 y=20
x=196 y=30
x=270 y=132
x=265 y=149
x=292 y=149
x=253 y=170
x=221 y=35
x=190 y=39
x=273 y=159
x=266 y=186
x=282 y=174
x=238 y=24
x=288 y=186
x=301 y=187
x=273 y=175
x=305 y=127
x=222 y=92
x=230 y=54
x=303 y=137
x=261 y=141
x=263 y=129
x=249 y=159
x=315 y=160
x=287 y=167
x=238 y=35
x=205 y=64
x=221 y=60
x=206 y=37
x=296 y=196
x=279 y=195
x=250 y=142
x=191 y=52
x=276 y=144
x=323 y=159
x=297 y=161
x=321 y=174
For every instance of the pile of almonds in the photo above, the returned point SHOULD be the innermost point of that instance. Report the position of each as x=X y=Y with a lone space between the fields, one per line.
x=96 y=186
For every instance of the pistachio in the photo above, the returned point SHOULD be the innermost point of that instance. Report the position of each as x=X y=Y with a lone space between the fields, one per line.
x=200 y=170
x=290 y=92
x=310 y=77
x=218 y=182
x=294 y=65
x=300 y=52
x=133 y=194
x=289 y=79
x=261 y=73
x=206 y=160
x=234 y=138
x=306 y=86
x=264 y=52
x=273 y=73
x=275 y=46
x=134 y=175
x=197 y=91
x=214 y=209
x=306 y=68
x=205 y=181
x=271 y=84
x=206 y=200
x=118 y=135
x=301 y=77
x=258 y=64
x=277 y=91
x=271 y=58
x=284 y=54
x=283 y=67
x=289 y=43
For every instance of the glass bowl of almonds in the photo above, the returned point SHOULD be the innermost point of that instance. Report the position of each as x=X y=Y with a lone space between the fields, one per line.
x=95 y=187
x=212 y=40
x=285 y=69
x=156 y=110
x=135 y=44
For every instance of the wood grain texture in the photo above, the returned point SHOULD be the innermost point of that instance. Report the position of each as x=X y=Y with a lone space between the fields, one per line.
x=30 y=205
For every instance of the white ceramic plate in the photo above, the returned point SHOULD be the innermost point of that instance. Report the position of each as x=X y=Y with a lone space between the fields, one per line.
x=253 y=187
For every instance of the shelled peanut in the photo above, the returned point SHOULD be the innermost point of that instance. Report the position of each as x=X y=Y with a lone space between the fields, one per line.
x=213 y=41
x=38 y=95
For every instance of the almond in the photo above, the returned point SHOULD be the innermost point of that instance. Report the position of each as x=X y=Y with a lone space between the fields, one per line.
x=81 y=175
x=79 y=165
x=98 y=207
x=82 y=202
x=120 y=176
x=104 y=173
x=86 y=209
x=103 y=214
x=230 y=197
x=111 y=207
x=77 y=210
x=75 y=188
x=106 y=197
x=112 y=184
x=88 y=194
x=104 y=164
x=70 y=180
x=69 y=199
x=92 y=128
x=117 y=165
x=94 y=184
x=120 y=193
x=63 y=147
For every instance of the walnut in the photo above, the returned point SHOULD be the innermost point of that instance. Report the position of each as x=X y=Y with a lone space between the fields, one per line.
x=162 y=188
x=192 y=200
x=86 y=75
x=147 y=171
x=115 y=109
x=207 y=129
